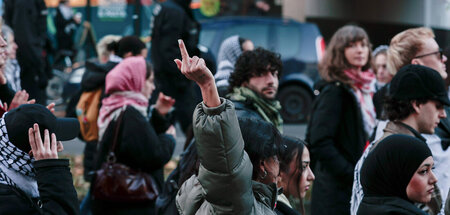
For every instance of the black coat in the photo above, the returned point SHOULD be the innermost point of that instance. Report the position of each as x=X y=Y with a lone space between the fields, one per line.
x=379 y=98
x=387 y=206
x=246 y=110
x=172 y=22
x=65 y=29
x=6 y=93
x=283 y=209
x=144 y=146
x=336 y=140
x=57 y=194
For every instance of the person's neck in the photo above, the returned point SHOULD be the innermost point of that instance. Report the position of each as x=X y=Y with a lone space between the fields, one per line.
x=411 y=122
x=357 y=69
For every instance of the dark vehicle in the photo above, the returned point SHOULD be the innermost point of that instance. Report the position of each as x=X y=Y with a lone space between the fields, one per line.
x=300 y=44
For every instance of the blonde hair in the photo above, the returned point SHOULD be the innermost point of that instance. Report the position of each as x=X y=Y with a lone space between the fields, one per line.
x=102 y=45
x=404 y=47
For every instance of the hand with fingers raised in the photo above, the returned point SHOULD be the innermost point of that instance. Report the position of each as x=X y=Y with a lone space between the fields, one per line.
x=20 y=98
x=164 y=104
x=47 y=150
x=194 y=68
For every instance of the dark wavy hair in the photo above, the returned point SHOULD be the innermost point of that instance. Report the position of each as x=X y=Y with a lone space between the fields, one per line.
x=395 y=109
x=262 y=140
x=334 y=61
x=293 y=146
x=254 y=63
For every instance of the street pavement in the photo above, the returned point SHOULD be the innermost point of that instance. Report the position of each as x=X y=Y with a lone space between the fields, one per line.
x=76 y=146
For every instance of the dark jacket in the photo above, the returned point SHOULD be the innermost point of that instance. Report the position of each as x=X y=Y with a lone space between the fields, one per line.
x=224 y=183
x=93 y=78
x=247 y=110
x=283 y=209
x=6 y=93
x=387 y=206
x=57 y=194
x=143 y=145
x=336 y=140
x=379 y=98
x=65 y=29
x=28 y=19
x=172 y=21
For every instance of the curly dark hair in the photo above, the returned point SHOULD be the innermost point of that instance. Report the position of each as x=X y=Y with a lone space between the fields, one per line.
x=254 y=63
x=400 y=109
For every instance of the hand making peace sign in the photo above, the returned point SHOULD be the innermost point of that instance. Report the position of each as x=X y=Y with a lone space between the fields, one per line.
x=195 y=69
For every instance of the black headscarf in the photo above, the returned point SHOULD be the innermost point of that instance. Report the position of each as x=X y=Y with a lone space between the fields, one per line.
x=388 y=169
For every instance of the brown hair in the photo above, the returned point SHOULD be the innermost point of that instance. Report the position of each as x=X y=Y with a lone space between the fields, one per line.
x=404 y=47
x=334 y=62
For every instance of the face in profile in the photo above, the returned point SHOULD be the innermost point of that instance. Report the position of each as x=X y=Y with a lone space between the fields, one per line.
x=357 y=54
x=421 y=185
x=431 y=56
x=299 y=178
x=266 y=84
x=429 y=116
x=149 y=86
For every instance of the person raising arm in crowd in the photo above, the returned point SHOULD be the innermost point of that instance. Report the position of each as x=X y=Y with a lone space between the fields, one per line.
x=229 y=179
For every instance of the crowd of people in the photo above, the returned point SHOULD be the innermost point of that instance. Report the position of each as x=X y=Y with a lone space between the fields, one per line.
x=377 y=140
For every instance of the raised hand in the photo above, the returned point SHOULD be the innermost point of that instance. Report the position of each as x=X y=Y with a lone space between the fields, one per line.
x=51 y=107
x=46 y=150
x=164 y=104
x=20 y=98
x=195 y=69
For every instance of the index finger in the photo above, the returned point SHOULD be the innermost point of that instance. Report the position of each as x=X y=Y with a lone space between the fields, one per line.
x=184 y=53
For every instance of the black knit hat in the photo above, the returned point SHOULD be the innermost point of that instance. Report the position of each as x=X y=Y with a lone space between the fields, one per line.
x=22 y=118
x=418 y=82
x=130 y=44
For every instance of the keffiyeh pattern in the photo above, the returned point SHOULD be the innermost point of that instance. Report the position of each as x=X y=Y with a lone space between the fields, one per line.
x=12 y=157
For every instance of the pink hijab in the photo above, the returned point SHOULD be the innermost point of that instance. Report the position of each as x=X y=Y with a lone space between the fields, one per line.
x=124 y=86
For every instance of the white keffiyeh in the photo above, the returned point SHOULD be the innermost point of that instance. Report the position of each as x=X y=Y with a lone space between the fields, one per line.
x=16 y=166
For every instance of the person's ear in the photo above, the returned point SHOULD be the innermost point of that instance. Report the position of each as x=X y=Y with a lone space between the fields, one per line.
x=244 y=84
x=416 y=61
x=262 y=168
x=416 y=107
x=128 y=54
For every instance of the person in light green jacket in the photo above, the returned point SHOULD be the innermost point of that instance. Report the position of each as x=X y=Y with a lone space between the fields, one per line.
x=229 y=180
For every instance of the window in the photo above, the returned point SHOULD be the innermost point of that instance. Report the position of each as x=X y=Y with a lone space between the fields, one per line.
x=257 y=33
x=288 y=39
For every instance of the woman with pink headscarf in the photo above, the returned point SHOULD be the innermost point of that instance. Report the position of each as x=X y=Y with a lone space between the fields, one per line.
x=146 y=139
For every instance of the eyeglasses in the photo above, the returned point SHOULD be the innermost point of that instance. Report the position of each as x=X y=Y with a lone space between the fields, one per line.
x=441 y=55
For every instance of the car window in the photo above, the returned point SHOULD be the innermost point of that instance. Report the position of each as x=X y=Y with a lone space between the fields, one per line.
x=288 y=39
x=259 y=34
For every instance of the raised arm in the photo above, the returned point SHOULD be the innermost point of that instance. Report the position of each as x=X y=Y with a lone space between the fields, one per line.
x=224 y=165
x=195 y=69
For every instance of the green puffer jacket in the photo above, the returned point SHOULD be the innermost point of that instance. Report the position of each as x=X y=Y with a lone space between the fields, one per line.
x=224 y=183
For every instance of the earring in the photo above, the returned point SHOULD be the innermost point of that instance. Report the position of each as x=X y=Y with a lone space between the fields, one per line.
x=265 y=174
